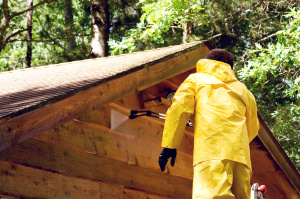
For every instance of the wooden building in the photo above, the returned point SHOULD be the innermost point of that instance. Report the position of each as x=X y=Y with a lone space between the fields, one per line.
x=65 y=131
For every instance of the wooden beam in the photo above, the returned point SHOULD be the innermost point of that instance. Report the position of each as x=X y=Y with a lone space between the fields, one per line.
x=132 y=102
x=154 y=128
x=33 y=123
x=123 y=147
x=278 y=154
x=9 y=196
x=69 y=160
x=189 y=130
x=18 y=181
x=267 y=171
x=100 y=116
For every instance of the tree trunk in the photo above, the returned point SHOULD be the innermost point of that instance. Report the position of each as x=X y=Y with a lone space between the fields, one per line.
x=188 y=30
x=69 y=23
x=4 y=39
x=100 y=28
x=29 y=34
x=4 y=23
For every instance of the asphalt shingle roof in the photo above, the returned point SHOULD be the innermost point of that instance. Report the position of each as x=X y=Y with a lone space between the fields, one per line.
x=25 y=90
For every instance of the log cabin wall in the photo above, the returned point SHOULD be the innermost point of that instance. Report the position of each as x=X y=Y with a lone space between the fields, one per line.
x=100 y=154
x=93 y=155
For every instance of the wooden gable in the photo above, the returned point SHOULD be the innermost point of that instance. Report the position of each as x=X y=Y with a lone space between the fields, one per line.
x=83 y=145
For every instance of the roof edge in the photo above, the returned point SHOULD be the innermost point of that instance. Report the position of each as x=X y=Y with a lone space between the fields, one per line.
x=102 y=81
x=279 y=155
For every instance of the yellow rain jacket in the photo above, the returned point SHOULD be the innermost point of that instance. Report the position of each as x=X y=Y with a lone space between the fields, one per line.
x=222 y=110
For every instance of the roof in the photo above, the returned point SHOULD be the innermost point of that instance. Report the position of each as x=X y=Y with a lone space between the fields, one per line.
x=22 y=91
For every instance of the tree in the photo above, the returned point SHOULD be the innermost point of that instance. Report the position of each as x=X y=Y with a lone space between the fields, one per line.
x=161 y=16
x=161 y=23
x=68 y=13
x=273 y=75
x=7 y=15
x=233 y=25
x=51 y=34
x=124 y=15
x=29 y=33
x=100 y=28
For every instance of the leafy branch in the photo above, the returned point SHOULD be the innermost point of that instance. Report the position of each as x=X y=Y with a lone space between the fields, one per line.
x=8 y=39
x=7 y=18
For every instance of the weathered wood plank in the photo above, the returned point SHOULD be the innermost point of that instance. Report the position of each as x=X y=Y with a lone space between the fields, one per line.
x=132 y=194
x=132 y=102
x=71 y=160
x=278 y=154
x=30 y=182
x=123 y=147
x=26 y=182
x=266 y=171
x=7 y=196
x=100 y=116
x=28 y=125
x=151 y=129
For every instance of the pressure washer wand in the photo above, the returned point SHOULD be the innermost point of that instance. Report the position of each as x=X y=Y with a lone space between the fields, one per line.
x=134 y=114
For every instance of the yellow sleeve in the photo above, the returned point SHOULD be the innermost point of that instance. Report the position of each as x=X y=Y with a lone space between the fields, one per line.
x=252 y=120
x=178 y=114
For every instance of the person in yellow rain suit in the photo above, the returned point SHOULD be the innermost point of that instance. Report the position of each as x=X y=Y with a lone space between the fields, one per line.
x=224 y=115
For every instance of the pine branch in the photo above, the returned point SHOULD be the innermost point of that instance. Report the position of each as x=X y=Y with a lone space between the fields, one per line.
x=263 y=39
x=33 y=7
x=215 y=36
x=7 y=40
x=36 y=40
x=55 y=41
x=7 y=18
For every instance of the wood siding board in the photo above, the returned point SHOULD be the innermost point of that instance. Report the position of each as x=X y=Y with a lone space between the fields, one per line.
x=100 y=116
x=76 y=162
x=154 y=127
x=132 y=102
x=266 y=171
x=119 y=146
x=35 y=183
x=19 y=181
x=278 y=154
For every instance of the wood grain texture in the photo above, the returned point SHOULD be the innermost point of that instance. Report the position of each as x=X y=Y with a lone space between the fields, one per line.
x=153 y=126
x=120 y=146
x=278 y=154
x=266 y=171
x=67 y=159
x=19 y=181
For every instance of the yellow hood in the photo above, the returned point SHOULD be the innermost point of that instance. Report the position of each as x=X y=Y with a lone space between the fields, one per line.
x=220 y=70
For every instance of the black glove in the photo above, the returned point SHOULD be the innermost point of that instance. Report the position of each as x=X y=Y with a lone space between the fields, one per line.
x=164 y=157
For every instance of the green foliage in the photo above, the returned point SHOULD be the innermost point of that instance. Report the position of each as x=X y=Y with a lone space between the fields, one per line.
x=49 y=34
x=160 y=15
x=13 y=57
x=273 y=75
x=160 y=25
x=124 y=15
